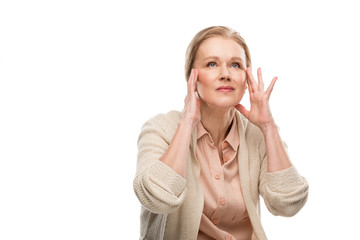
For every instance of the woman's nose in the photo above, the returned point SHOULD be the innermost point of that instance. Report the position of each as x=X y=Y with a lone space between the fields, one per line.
x=225 y=74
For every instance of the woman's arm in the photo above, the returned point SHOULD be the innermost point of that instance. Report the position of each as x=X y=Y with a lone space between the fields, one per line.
x=277 y=158
x=163 y=150
x=177 y=153
x=283 y=189
x=260 y=115
x=158 y=187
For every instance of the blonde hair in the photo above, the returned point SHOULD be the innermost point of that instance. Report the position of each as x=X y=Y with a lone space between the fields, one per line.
x=209 y=32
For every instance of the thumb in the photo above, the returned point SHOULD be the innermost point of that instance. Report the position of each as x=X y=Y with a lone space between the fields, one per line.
x=242 y=110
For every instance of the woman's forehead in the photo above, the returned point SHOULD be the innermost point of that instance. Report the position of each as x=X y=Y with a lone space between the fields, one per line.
x=221 y=48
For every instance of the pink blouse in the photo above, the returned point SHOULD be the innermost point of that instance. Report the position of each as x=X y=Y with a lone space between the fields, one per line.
x=224 y=215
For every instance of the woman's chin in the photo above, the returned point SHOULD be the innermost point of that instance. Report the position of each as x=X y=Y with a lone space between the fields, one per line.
x=223 y=104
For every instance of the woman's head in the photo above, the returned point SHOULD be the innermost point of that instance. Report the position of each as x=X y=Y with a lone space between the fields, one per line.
x=216 y=31
x=221 y=57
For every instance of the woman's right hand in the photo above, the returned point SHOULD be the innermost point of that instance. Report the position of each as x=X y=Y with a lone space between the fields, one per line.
x=192 y=103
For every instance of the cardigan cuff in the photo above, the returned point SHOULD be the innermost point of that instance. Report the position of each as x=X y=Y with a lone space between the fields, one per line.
x=167 y=178
x=284 y=181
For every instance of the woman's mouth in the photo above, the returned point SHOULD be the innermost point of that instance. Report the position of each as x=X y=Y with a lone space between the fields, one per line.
x=225 y=89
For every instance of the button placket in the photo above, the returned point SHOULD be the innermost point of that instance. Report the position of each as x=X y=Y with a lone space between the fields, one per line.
x=219 y=183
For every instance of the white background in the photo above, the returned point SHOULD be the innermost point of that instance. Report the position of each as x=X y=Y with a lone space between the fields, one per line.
x=79 y=78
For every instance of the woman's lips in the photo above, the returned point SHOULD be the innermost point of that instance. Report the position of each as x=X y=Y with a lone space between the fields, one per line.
x=225 y=89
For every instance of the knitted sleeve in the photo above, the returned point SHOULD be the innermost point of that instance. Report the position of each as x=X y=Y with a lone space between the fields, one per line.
x=285 y=192
x=158 y=187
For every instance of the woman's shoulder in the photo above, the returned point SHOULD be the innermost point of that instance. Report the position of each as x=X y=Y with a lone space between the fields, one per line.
x=171 y=116
x=165 y=121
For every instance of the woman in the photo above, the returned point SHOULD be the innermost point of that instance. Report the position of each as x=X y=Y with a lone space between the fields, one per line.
x=200 y=171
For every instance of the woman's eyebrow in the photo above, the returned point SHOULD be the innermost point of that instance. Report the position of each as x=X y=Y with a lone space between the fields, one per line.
x=216 y=57
x=237 y=58
x=211 y=57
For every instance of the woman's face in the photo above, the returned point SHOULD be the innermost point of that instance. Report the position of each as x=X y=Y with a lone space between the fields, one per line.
x=222 y=72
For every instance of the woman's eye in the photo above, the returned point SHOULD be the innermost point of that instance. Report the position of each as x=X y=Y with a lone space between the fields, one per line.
x=235 y=65
x=211 y=64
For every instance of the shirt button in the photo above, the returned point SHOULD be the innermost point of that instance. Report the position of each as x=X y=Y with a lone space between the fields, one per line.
x=217 y=175
x=226 y=158
x=215 y=221
x=228 y=237
x=222 y=201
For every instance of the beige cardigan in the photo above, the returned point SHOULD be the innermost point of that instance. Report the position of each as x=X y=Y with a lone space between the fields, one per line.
x=172 y=206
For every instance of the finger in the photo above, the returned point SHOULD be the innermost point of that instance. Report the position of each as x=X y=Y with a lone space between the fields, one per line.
x=195 y=77
x=242 y=110
x=248 y=83
x=271 y=86
x=251 y=79
x=190 y=82
x=249 y=88
x=260 y=79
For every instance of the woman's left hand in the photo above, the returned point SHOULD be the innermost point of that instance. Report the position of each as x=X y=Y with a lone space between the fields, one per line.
x=259 y=113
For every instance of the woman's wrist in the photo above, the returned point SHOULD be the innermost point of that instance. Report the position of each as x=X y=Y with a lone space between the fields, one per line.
x=189 y=122
x=268 y=128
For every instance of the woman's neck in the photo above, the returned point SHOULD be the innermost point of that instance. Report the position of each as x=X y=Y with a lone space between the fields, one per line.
x=217 y=122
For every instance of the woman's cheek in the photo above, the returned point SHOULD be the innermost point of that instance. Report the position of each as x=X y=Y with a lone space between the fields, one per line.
x=201 y=75
x=201 y=83
x=200 y=90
